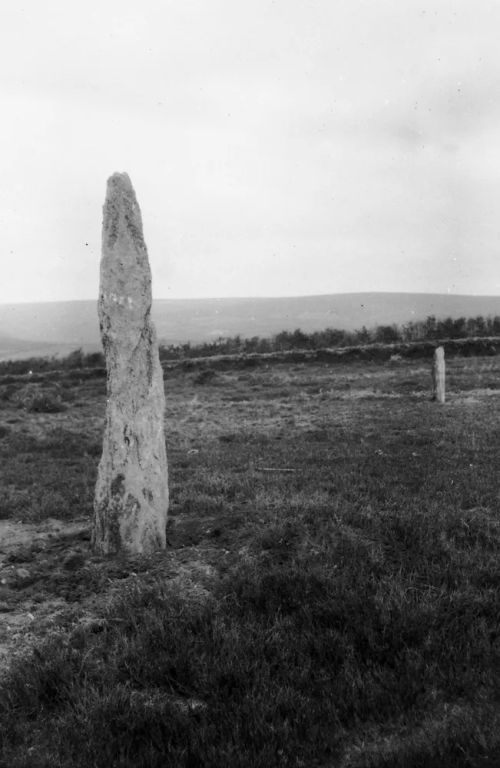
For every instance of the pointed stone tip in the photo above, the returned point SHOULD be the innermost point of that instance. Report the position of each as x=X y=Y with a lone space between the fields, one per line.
x=121 y=213
x=120 y=180
x=121 y=192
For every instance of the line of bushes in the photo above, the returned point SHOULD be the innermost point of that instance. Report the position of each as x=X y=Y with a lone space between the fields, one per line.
x=430 y=329
x=367 y=352
x=472 y=336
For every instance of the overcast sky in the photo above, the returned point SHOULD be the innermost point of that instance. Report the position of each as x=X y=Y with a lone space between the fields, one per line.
x=278 y=147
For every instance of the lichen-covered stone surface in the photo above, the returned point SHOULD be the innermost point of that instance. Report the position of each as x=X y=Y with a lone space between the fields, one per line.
x=131 y=496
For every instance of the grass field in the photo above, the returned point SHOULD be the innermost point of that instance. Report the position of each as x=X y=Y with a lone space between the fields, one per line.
x=329 y=595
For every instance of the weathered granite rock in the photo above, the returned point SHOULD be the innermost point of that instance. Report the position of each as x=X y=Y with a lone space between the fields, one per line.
x=438 y=375
x=131 y=496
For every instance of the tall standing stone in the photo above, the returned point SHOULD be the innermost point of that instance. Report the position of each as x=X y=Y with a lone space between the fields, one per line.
x=438 y=375
x=131 y=495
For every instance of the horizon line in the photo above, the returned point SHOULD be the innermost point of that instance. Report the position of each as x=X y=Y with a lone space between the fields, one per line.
x=270 y=297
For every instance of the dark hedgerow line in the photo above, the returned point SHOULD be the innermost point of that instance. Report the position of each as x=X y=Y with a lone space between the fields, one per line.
x=41 y=370
x=469 y=336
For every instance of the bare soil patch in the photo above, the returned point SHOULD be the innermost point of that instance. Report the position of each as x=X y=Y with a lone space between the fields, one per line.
x=50 y=579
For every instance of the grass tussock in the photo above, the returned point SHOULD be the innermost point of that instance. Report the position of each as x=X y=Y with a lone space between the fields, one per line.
x=330 y=595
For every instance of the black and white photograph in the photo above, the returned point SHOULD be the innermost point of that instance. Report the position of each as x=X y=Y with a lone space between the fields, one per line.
x=250 y=384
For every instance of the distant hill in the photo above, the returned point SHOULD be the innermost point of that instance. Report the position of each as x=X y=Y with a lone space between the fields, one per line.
x=58 y=327
x=12 y=348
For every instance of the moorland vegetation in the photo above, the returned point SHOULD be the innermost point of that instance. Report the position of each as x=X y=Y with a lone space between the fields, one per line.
x=330 y=591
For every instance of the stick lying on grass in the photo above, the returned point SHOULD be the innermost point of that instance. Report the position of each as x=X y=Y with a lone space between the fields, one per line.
x=274 y=469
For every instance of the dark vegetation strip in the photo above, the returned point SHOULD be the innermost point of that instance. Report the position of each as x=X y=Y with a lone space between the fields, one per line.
x=469 y=336
x=431 y=329
x=87 y=366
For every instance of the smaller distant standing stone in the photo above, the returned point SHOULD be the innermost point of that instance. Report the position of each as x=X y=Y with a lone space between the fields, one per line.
x=439 y=375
